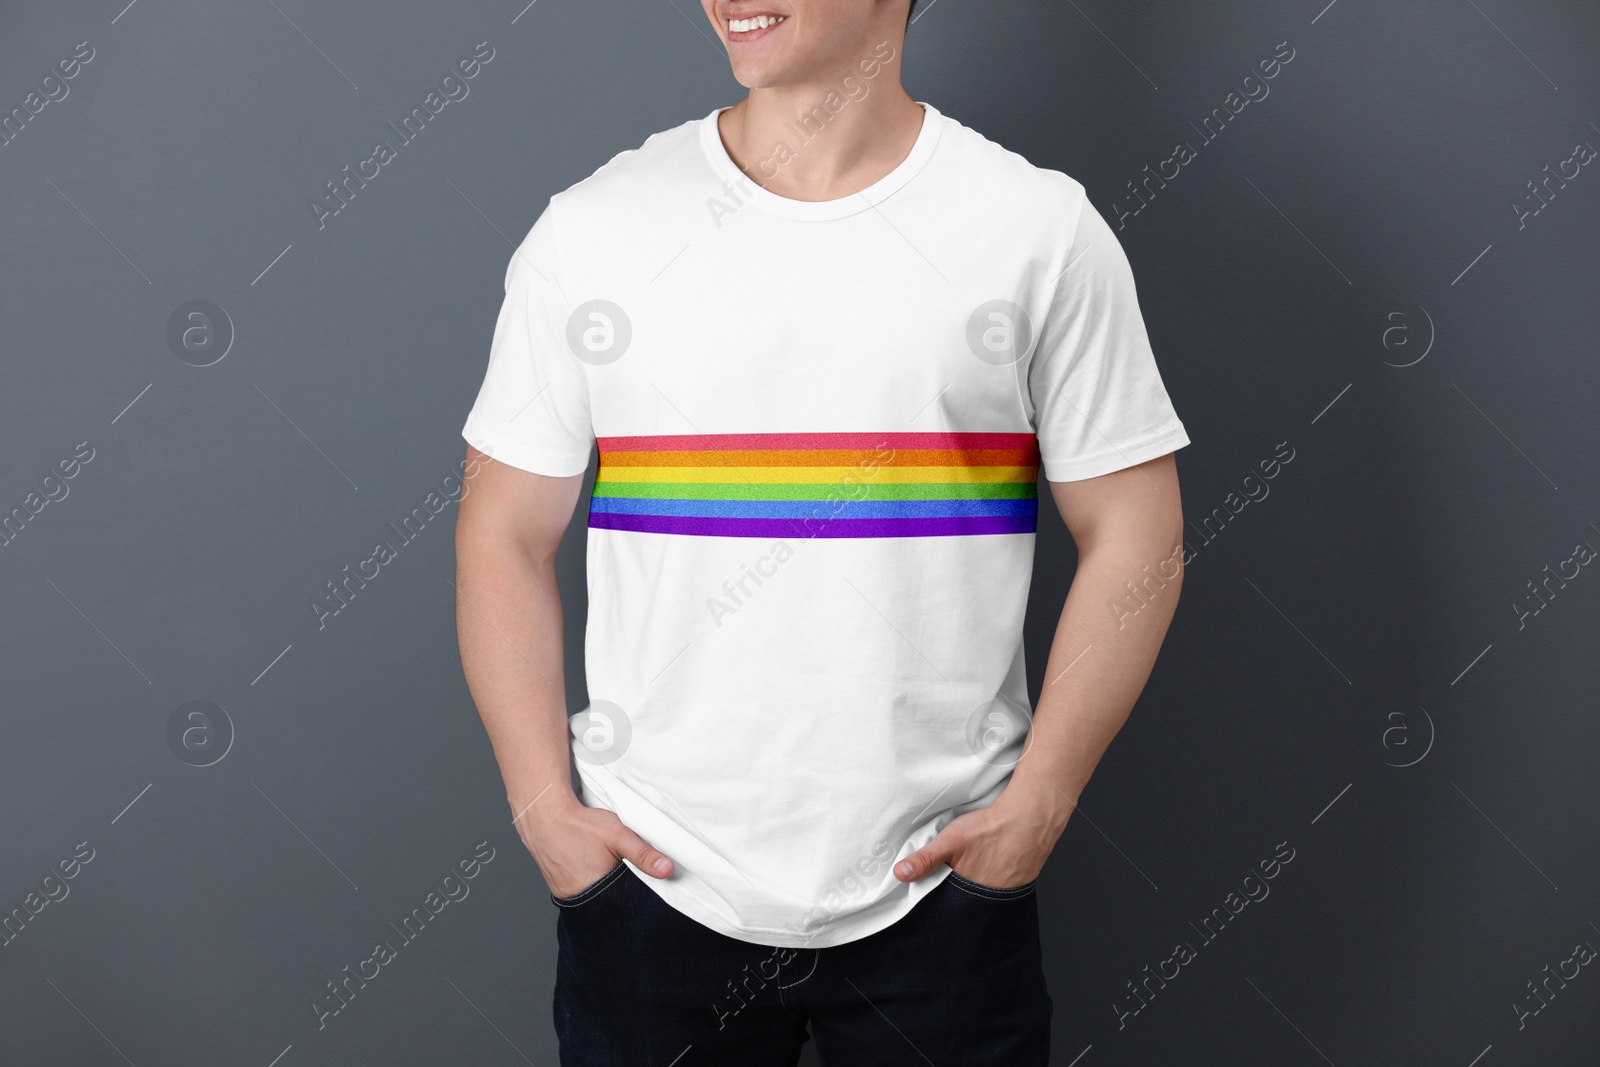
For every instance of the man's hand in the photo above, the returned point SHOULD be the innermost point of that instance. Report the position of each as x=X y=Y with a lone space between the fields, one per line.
x=1001 y=846
x=575 y=845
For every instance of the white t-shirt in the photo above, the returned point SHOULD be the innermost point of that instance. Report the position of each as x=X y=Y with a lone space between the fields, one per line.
x=820 y=427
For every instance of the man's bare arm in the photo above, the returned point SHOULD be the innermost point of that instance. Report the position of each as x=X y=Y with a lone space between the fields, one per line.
x=1128 y=526
x=509 y=621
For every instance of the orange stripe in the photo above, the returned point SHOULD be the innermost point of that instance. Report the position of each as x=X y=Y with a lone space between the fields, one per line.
x=909 y=457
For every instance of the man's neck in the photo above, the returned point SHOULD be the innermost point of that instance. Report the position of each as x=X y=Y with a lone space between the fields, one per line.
x=829 y=153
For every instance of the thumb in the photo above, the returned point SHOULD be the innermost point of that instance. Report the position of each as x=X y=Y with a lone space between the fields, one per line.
x=630 y=846
x=922 y=862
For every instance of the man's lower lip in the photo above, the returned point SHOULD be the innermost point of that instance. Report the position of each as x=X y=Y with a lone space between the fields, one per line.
x=752 y=35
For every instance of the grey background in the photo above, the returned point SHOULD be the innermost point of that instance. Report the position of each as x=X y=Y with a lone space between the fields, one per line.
x=1359 y=616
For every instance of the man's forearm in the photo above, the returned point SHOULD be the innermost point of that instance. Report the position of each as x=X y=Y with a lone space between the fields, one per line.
x=1105 y=645
x=508 y=615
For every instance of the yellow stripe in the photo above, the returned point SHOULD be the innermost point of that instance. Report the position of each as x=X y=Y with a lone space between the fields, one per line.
x=884 y=473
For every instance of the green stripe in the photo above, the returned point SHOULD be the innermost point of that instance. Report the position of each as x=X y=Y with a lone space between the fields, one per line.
x=819 y=490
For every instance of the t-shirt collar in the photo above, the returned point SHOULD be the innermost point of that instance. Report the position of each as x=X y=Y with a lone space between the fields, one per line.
x=874 y=194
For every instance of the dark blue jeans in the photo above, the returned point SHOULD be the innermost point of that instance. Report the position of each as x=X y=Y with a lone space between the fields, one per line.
x=956 y=982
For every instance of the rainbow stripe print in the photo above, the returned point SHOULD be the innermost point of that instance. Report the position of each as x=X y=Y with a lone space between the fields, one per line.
x=818 y=484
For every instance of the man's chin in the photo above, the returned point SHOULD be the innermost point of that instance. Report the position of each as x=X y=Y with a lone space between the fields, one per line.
x=763 y=74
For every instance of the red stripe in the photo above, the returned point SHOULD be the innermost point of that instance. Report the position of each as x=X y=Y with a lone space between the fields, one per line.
x=804 y=441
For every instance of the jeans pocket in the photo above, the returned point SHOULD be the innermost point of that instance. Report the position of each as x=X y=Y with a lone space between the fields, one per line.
x=978 y=889
x=593 y=890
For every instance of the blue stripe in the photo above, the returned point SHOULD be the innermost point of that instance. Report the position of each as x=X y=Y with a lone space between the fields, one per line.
x=818 y=509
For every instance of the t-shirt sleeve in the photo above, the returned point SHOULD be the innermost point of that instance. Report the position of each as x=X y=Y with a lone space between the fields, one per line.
x=532 y=409
x=1098 y=400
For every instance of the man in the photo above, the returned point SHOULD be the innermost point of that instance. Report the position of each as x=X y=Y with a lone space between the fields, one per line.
x=825 y=340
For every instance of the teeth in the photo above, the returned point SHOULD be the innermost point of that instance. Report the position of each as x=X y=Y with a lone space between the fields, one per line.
x=759 y=22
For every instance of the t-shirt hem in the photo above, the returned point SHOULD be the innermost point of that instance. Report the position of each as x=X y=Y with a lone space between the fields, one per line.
x=495 y=445
x=680 y=897
x=1078 y=468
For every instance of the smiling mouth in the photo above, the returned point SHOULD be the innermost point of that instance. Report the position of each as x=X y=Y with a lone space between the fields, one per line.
x=743 y=31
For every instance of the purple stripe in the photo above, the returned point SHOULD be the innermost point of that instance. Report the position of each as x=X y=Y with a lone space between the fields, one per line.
x=705 y=526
